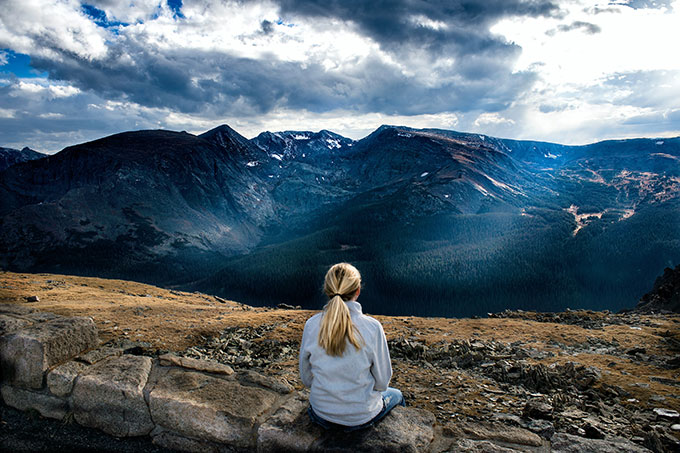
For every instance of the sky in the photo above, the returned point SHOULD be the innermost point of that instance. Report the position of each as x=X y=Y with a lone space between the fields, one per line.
x=571 y=71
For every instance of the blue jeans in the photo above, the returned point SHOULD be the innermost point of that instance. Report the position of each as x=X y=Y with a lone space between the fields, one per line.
x=391 y=398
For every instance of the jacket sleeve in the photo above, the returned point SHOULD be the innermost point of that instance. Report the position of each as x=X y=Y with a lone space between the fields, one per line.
x=381 y=369
x=305 y=367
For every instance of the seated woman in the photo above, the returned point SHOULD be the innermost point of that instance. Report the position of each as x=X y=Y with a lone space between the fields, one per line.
x=345 y=360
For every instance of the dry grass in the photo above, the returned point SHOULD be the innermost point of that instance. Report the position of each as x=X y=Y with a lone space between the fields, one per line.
x=172 y=320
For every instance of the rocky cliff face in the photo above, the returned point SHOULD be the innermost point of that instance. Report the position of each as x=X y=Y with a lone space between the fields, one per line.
x=10 y=156
x=664 y=296
x=155 y=199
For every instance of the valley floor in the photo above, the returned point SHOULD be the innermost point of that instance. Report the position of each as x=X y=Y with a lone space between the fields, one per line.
x=593 y=374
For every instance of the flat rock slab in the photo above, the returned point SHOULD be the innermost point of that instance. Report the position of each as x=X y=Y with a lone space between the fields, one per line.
x=480 y=446
x=290 y=429
x=109 y=396
x=501 y=433
x=250 y=377
x=26 y=355
x=22 y=399
x=195 y=364
x=60 y=379
x=567 y=443
x=211 y=408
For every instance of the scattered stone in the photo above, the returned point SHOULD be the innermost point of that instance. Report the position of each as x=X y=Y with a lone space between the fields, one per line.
x=60 y=379
x=27 y=354
x=538 y=409
x=592 y=431
x=666 y=381
x=666 y=413
x=195 y=364
x=288 y=307
x=22 y=399
x=217 y=298
x=243 y=347
x=480 y=446
x=109 y=396
x=202 y=406
x=507 y=418
x=543 y=428
x=32 y=299
x=96 y=355
x=675 y=427
x=567 y=443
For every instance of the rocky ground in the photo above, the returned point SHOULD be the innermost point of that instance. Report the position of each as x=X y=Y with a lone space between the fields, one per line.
x=593 y=375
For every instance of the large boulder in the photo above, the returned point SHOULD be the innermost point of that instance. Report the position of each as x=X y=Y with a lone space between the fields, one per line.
x=290 y=429
x=26 y=355
x=22 y=399
x=109 y=396
x=206 y=407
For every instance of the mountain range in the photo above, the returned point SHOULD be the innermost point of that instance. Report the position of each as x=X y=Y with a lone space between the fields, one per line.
x=439 y=222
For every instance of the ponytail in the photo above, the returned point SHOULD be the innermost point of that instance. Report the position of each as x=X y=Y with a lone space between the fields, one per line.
x=342 y=282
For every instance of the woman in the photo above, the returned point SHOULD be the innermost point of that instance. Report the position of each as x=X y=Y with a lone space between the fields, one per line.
x=345 y=360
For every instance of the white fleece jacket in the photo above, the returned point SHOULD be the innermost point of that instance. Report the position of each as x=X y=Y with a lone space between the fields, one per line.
x=346 y=390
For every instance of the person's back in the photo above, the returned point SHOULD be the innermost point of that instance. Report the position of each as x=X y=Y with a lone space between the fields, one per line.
x=344 y=358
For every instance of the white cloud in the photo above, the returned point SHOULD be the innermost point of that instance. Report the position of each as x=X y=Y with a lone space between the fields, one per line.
x=38 y=27
x=50 y=89
x=7 y=113
x=336 y=75
x=491 y=119
x=4 y=58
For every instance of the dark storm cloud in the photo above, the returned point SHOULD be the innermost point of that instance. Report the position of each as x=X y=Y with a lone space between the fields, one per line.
x=481 y=78
x=200 y=82
x=395 y=26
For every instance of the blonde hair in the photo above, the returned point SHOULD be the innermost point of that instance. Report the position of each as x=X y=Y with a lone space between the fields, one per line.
x=341 y=284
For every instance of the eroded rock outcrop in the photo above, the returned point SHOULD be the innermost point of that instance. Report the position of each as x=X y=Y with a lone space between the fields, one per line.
x=665 y=294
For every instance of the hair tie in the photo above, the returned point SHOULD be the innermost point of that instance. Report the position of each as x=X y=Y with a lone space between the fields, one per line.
x=336 y=294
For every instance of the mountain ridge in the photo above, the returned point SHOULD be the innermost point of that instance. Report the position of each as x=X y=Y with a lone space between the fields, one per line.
x=429 y=213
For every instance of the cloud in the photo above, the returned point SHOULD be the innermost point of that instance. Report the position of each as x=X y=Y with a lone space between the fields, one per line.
x=140 y=65
x=4 y=58
x=645 y=4
x=495 y=66
x=585 y=27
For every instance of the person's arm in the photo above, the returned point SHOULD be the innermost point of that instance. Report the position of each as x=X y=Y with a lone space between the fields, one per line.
x=381 y=369
x=305 y=367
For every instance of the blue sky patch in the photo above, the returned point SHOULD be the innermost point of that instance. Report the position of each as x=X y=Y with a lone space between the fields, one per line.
x=18 y=64
x=99 y=17
x=176 y=7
